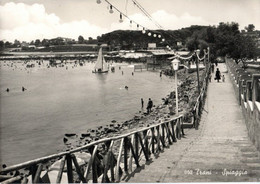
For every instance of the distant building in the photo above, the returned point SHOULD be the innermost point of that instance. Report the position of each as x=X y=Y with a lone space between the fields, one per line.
x=151 y=46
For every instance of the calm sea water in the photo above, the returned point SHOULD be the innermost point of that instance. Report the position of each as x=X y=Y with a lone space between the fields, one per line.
x=59 y=101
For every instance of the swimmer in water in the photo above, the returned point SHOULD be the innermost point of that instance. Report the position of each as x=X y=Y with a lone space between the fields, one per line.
x=126 y=87
x=7 y=90
x=23 y=89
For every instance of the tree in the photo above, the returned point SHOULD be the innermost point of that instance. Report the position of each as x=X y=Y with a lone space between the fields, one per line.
x=37 y=42
x=250 y=28
x=196 y=41
x=17 y=43
x=2 y=45
x=45 y=43
x=80 y=39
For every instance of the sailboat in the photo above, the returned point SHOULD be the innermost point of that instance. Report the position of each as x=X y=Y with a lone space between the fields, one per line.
x=101 y=66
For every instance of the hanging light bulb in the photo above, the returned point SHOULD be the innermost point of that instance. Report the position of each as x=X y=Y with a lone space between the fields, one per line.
x=143 y=31
x=137 y=26
x=98 y=1
x=130 y=23
x=154 y=35
x=163 y=39
x=149 y=34
x=120 y=20
x=167 y=46
x=159 y=36
x=111 y=9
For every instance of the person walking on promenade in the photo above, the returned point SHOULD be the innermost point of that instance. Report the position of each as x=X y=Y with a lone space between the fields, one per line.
x=142 y=103
x=149 y=106
x=217 y=77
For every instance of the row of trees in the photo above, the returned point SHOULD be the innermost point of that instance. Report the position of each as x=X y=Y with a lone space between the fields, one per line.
x=47 y=42
x=225 y=39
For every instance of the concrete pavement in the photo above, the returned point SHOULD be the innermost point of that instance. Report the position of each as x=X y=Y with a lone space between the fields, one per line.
x=220 y=151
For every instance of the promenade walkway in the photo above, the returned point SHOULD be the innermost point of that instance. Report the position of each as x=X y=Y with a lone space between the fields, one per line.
x=220 y=151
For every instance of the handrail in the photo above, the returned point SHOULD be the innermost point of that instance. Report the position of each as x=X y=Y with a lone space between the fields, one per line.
x=54 y=156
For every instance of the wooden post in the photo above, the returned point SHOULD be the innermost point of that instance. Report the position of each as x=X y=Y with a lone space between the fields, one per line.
x=81 y=176
x=143 y=148
x=131 y=155
x=158 y=139
x=173 y=132
x=135 y=155
x=37 y=174
x=112 y=166
x=118 y=160
x=125 y=153
x=33 y=169
x=69 y=168
x=94 y=170
x=163 y=133
x=91 y=160
x=145 y=134
x=153 y=140
x=168 y=133
x=62 y=164
x=136 y=145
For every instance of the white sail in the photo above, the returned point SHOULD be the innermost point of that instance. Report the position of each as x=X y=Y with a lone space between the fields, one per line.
x=105 y=65
x=101 y=65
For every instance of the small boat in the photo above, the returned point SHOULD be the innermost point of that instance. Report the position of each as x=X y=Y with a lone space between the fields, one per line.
x=101 y=66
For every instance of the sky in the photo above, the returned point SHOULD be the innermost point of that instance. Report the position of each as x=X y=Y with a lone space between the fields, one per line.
x=27 y=20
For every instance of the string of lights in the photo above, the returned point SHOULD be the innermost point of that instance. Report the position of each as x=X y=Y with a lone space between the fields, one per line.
x=138 y=5
x=154 y=33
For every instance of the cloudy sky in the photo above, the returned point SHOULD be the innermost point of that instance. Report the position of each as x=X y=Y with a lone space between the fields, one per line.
x=28 y=20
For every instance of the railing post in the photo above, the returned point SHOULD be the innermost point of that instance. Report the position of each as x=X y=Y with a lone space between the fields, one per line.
x=37 y=174
x=125 y=153
x=69 y=168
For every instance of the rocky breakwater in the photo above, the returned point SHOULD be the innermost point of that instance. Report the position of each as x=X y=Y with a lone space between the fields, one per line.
x=187 y=93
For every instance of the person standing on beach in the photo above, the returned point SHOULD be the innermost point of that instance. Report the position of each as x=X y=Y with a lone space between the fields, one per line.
x=149 y=106
x=218 y=75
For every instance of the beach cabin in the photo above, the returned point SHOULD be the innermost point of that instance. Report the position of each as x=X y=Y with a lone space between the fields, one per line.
x=158 y=59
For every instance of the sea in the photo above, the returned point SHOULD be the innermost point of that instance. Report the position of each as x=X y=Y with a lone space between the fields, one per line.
x=69 y=99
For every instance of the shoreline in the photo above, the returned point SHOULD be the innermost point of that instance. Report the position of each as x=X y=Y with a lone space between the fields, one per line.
x=187 y=91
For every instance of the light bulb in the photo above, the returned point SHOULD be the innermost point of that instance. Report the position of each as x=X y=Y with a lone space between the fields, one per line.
x=149 y=34
x=120 y=20
x=159 y=36
x=143 y=31
x=98 y=1
x=154 y=35
x=111 y=9
x=163 y=39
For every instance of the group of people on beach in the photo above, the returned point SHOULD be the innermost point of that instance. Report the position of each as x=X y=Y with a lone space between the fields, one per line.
x=149 y=105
